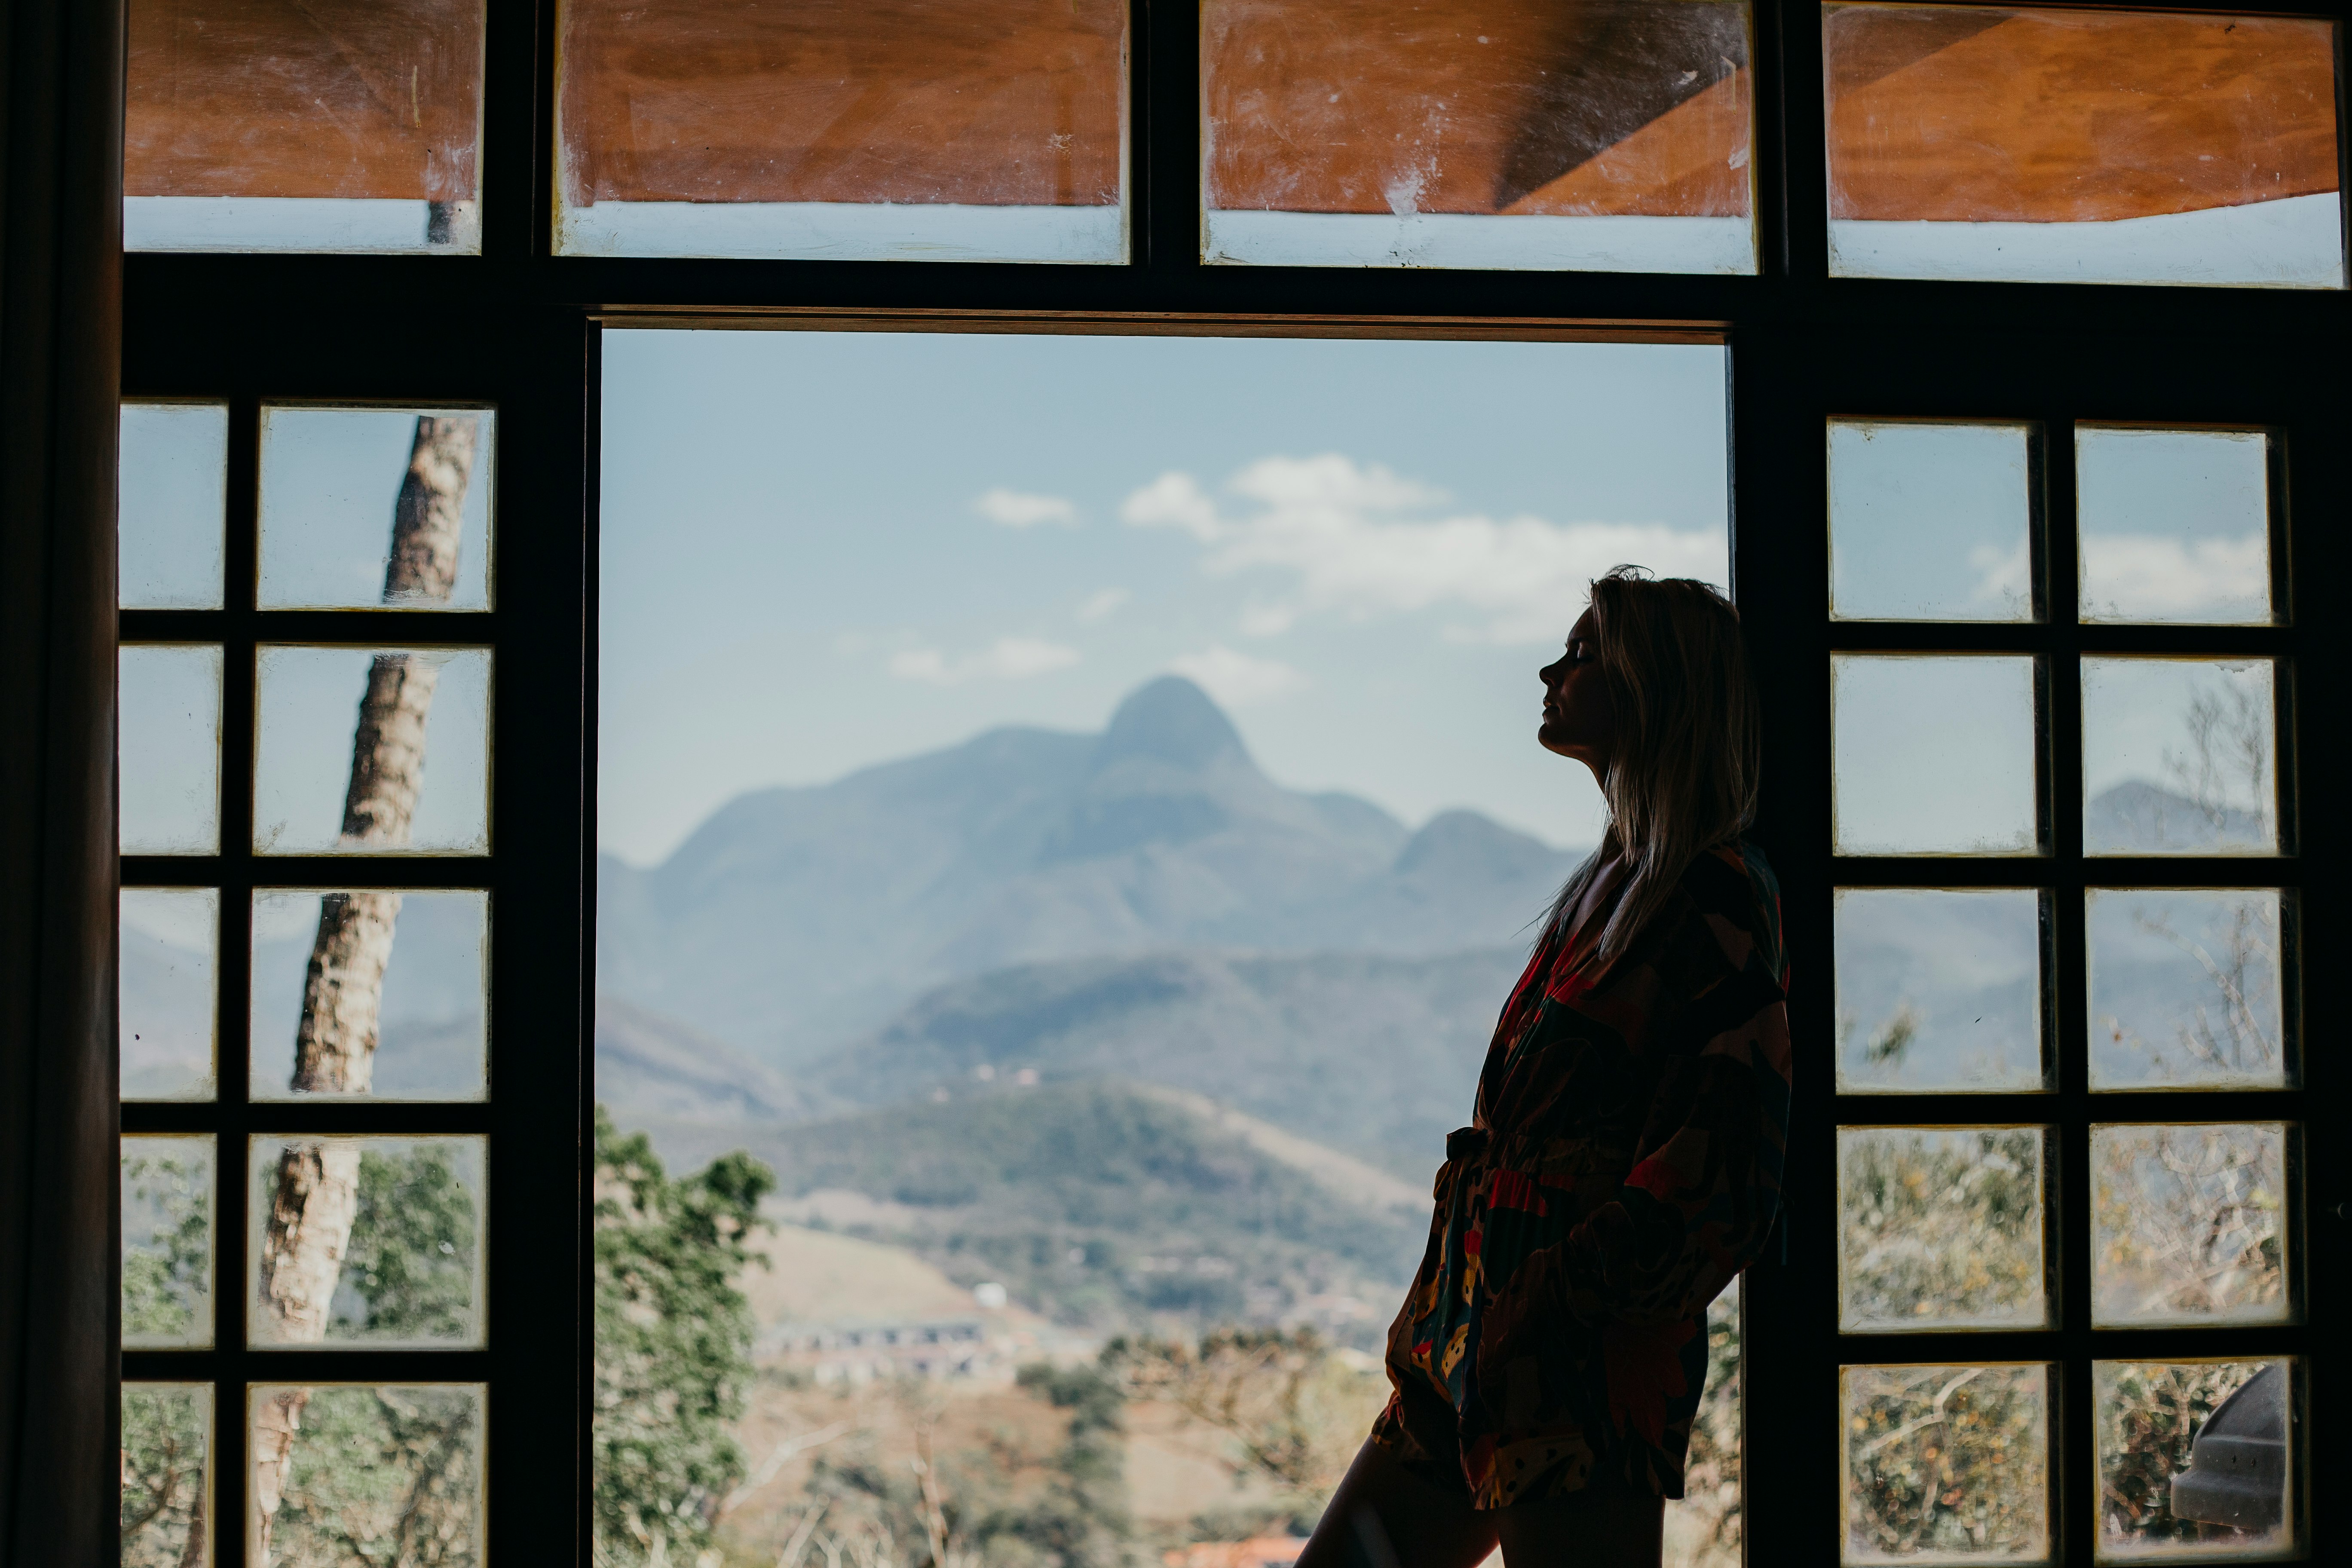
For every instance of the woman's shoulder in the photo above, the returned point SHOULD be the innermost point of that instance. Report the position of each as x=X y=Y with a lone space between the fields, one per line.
x=1733 y=892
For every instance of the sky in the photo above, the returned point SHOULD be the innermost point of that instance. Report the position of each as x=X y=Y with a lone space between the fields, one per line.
x=823 y=551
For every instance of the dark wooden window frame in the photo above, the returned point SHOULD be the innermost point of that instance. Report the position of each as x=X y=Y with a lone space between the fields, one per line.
x=520 y=329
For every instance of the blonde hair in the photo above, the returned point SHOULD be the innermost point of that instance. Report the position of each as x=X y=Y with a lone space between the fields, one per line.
x=1683 y=770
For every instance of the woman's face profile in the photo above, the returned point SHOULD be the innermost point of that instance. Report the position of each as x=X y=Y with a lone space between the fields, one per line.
x=1579 y=719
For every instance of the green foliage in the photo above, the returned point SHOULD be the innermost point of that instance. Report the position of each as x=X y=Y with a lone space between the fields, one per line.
x=2149 y=1415
x=1082 y=1522
x=383 y=1477
x=1942 y=1224
x=673 y=1343
x=410 y=1261
x=163 y=1473
x=1946 y=1460
x=164 y=1275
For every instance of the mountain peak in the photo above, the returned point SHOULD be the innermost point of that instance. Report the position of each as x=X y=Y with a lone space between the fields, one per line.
x=1172 y=720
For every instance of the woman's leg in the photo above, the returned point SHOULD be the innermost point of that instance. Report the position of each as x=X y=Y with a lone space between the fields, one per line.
x=1384 y=1516
x=1609 y=1528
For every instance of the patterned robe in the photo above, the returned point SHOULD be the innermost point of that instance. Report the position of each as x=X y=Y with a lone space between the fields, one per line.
x=1623 y=1164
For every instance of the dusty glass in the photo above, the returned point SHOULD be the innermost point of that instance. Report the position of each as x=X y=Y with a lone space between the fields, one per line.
x=2184 y=988
x=167 y=1241
x=168 y=1501
x=2182 y=1476
x=363 y=508
x=1933 y=754
x=2081 y=146
x=377 y=992
x=171 y=473
x=169 y=748
x=370 y=1470
x=372 y=752
x=407 y=1212
x=2177 y=757
x=887 y=130
x=302 y=128
x=1930 y=521
x=1946 y=1464
x=165 y=1013
x=1939 y=989
x=1940 y=1228
x=2189 y=1224
x=2175 y=525
x=1608 y=135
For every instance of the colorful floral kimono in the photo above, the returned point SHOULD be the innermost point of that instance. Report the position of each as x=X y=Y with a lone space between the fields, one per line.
x=1622 y=1166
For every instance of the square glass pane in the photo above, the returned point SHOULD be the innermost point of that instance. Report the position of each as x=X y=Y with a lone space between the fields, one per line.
x=894 y=130
x=168 y=1505
x=368 y=507
x=2197 y=1458
x=1934 y=754
x=169 y=752
x=1930 y=521
x=365 y=1242
x=1608 y=135
x=372 y=752
x=2188 y=1225
x=2175 y=525
x=2185 y=989
x=360 y=1473
x=2177 y=757
x=167 y=1241
x=302 y=128
x=377 y=992
x=2081 y=146
x=164 y=998
x=1938 y=990
x=171 y=476
x=1946 y=1464
x=1940 y=1228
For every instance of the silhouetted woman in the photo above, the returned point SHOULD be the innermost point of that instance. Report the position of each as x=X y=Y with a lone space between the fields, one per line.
x=1623 y=1162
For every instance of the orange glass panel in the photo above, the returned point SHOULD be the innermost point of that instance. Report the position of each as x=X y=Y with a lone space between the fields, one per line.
x=1613 y=134
x=850 y=129
x=2084 y=146
x=302 y=124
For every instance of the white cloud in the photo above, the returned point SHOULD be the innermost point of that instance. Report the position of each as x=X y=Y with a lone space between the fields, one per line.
x=1006 y=658
x=1236 y=680
x=2006 y=578
x=1102 y=603
x=2151 y=575
x=1343 y=534
x=1019 y=508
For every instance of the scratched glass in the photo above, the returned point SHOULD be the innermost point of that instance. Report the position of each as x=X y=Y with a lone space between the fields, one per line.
x=2177 y=757
x=1939 y=989
x=2196 y=1459
x=409 y=1269
x=434 y=707
x=169 y=747
x=1608 y=135
x=302 y=127
x=164 y=1001
x=2189 y=1224
x=168 y=1504
x=2185 y=990
x=371 y=1470
x=314 y=955
x=1946 y=1464
x=172 y=478
x=344 y=491
x=1930 y=521
x=2081 y=146
x=1940 y=1228
x=1933 y=754
x=167 y=1242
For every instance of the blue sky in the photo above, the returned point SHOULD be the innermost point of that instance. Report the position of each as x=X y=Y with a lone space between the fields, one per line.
x=822 y=551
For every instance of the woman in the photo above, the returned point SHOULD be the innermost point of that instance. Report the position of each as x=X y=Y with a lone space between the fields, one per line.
x=1623 y=1161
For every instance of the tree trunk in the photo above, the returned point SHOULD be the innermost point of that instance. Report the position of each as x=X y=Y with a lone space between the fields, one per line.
x=342 y=994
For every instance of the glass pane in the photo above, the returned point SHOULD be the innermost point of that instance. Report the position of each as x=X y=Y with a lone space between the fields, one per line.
x=1938 y=990
x=168 y=1504
x=2187 y=1226
x=2177 y=757
x=296 y=127
x=366 y=507
x=167 y=1241
x=1940 y=1228
x=170 y=749
x=1706 y=1527
x=366 y=1241
x=2081 y=146
x=1930 y=522
x=345 y=1473
x=1934 y=754
x=1601 y=134
x=1946 y=1464
x=2196 y=1459
x=173 y=473
x=410 y=774
x=164 y=999
x=379 y=992
x=907 y=129
x=2175 y=525
x=2184 y=988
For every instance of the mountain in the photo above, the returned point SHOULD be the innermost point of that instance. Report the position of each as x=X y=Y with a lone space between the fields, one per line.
x=797 y=920
x=2139 y=818
x=652 y=1070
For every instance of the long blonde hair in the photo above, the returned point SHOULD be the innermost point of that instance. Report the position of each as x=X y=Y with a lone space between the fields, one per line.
x=1689 y=744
